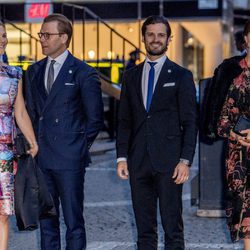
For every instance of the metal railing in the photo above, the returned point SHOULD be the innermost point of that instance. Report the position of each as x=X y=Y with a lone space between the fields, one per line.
x=74 y=13
x=31 y=38
x=87 y=14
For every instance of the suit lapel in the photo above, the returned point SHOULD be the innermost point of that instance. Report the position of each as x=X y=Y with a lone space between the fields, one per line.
x=39 y=78
x=138 y=84
x=65 y=75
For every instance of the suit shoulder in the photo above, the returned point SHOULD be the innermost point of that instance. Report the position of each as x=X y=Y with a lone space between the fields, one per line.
x=79 y=63
x=133 y=71
x=181 y=70
x=82 y=65
x=38 y=63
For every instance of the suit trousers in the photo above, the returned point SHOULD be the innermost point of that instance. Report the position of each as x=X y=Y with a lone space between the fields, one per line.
x=65 y=186
x=147 y=187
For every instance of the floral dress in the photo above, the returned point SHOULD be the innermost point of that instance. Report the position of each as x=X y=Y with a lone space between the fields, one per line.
x=238 y=157
x=9 y=78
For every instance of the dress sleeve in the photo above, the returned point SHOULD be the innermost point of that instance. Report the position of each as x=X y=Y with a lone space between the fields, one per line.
x=230 y=112
x=18 y=73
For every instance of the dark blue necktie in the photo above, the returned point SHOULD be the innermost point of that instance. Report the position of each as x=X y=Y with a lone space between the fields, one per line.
x=151 y=77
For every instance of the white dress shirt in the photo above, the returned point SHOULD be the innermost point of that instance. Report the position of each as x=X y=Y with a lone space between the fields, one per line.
x=146 y=68
x=144 y=83
x=57 y=66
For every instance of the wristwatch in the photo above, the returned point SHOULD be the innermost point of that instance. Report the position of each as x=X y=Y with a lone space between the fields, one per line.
x=186 y=162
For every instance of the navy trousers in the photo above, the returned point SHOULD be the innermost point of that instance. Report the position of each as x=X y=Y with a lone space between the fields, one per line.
x=66 y=187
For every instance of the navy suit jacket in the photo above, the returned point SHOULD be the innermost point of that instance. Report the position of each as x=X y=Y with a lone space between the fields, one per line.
x=66 y=121
x=168 y=131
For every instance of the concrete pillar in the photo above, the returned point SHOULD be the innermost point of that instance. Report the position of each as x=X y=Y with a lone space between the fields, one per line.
x=209 y=34
x=212 y=58
x=176 y=45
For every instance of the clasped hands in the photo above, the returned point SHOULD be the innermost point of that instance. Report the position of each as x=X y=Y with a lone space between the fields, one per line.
x=243 y=140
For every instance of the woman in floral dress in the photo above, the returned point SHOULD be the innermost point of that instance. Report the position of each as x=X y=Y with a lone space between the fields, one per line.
x=11 y=104
x=238 y=159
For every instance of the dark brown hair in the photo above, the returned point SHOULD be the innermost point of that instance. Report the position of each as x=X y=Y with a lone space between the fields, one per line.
x=156 y=19
x=246 y=28
x=64 y=25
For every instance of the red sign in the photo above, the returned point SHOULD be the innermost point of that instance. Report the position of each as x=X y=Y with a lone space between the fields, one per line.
x=37 y=10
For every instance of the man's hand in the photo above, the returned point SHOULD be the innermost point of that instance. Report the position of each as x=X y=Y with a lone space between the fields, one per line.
x=181 y=173
x=122 y=170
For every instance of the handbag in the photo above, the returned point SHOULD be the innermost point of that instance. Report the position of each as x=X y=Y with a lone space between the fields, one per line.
x=21 y=145
x=242 y=124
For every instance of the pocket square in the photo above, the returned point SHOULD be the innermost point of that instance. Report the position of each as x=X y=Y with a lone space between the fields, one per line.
x=69 y=84
x=169 y=84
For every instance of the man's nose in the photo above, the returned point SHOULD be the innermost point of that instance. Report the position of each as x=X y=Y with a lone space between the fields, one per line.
x=156 y=37
x=42 y=39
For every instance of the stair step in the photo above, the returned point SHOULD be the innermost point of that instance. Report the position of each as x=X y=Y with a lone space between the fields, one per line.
x=100 y=147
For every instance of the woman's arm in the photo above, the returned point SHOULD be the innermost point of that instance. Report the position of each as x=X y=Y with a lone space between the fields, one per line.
x=224 y=126
x=23 y=121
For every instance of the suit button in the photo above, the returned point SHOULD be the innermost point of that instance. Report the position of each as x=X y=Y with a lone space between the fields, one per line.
x=56 y=120
x=41 y=118
x=149 y=116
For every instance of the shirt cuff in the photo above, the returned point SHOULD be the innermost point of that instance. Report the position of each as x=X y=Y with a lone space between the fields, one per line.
x=121 y=159
x=185 y=161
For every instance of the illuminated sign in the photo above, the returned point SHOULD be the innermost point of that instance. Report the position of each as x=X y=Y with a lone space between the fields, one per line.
x=37 y=10
x=208 y=4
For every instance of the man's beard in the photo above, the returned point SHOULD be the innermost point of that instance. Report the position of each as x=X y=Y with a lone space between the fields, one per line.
x=156 y=52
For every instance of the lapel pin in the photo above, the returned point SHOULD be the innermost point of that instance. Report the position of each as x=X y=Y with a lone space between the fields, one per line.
x=70 y=71
x=169 y=71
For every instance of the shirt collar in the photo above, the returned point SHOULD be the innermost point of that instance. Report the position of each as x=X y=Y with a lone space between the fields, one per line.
x=61 y=58
x=159 y=61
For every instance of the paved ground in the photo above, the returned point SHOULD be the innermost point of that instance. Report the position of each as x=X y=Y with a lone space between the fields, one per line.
x=109 y=217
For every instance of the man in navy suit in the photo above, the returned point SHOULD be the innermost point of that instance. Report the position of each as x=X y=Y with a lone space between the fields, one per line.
x=156 y=137
x=63 y=97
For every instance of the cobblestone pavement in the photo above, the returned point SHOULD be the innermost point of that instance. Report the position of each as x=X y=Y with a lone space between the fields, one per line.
x=109 y=217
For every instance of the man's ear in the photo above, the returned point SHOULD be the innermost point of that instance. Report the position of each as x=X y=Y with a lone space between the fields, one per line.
x=143 y=39
x=169 y=39
x=245 y=38
x=65 y=38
